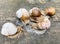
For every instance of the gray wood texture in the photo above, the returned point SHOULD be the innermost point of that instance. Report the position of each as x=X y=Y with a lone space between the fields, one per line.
x=8 y=9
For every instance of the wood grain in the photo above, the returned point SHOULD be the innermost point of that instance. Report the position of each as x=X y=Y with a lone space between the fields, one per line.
x=8 y=9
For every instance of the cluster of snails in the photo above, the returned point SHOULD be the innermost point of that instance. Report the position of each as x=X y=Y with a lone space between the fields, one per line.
x=40 y=21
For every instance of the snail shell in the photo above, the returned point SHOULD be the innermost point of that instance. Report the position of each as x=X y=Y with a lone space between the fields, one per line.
x=50 y=11
x=22 y=14
x=8 y=29
x=35 y=12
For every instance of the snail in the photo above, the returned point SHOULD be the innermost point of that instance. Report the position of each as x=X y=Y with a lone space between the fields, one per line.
x=50 y=11
x=23 y=14
x=44 y=23
x=35 y=13
x=10 y=30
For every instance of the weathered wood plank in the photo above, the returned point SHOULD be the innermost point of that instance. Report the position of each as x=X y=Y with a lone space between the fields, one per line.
x=7 y=13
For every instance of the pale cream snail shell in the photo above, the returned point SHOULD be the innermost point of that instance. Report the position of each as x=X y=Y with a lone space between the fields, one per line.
x=23 y=14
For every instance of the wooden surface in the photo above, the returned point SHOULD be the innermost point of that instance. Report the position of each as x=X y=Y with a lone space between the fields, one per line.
x=8 y=9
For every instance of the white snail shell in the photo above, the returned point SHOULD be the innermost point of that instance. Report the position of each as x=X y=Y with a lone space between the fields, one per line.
x=8 y=29
x=22 y=12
